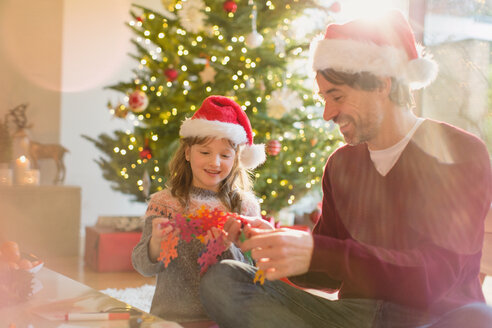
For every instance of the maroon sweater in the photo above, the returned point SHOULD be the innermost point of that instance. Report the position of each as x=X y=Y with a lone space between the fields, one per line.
x=412 y=237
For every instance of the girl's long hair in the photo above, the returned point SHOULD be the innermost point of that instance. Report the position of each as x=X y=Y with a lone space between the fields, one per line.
x=181 y=176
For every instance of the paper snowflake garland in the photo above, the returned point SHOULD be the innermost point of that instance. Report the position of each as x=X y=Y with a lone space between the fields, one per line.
x=182 y=224
x=281 y=102
x=168 y=249
x=209 y=255
x=196 y=226
x=191 y=16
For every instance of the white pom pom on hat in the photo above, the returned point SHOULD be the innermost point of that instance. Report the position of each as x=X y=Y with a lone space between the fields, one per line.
x=383 y=47
x=221 y=117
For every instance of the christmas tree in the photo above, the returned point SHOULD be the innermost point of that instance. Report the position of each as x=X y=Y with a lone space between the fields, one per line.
x=242 y=49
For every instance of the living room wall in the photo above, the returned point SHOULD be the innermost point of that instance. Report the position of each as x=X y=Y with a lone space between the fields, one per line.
x=58 y=55
x=96 y=44
x=30 y=66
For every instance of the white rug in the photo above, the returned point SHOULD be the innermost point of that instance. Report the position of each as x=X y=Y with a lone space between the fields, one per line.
x=140 y=297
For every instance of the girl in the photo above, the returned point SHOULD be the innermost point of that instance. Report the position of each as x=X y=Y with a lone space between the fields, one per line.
x=209 y=168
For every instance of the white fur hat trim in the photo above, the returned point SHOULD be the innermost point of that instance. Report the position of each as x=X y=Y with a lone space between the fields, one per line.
x=252 y=156
x=353 y=56
x=204 y=128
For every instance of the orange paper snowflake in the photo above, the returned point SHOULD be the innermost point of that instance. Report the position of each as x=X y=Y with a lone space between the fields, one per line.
x=259 y=276
x=169 y=249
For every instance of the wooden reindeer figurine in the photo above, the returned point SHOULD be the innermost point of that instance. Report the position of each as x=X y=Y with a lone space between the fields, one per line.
x=49 y=151
x=36 y=150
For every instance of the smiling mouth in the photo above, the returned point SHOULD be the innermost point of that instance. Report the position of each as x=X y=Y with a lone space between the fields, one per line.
x=212 y=172
x=343 y=124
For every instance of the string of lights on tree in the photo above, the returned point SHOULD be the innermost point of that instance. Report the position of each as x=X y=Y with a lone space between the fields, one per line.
x=242 y=49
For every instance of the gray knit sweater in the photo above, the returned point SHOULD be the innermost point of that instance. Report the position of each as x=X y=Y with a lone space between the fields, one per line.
x=176 y=296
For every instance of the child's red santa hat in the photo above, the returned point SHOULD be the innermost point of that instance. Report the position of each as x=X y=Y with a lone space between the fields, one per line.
x=220 y=117
x=383 y=47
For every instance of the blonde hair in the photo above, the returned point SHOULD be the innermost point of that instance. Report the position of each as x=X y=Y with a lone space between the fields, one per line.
x=181 y=176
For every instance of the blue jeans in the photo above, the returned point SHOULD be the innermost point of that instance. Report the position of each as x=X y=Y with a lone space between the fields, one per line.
x=232 y=299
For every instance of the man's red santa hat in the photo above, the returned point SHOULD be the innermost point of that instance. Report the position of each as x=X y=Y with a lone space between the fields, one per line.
x=383 y=47
x=220 y=117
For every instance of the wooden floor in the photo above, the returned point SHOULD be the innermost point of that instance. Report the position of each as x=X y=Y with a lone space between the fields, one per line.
x=74 y=268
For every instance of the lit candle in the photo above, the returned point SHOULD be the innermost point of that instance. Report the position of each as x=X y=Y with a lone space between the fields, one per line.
x=22 y=164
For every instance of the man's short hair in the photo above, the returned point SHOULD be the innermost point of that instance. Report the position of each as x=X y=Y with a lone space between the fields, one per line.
x=400 y=93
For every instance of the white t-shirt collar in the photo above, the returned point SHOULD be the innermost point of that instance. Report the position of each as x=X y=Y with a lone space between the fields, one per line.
x=385 y=159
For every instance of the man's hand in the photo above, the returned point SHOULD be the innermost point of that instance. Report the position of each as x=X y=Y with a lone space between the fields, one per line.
x=280 y=253
x=233 y=226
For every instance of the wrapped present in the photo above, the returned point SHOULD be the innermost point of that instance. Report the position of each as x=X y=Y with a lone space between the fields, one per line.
x=109 y=250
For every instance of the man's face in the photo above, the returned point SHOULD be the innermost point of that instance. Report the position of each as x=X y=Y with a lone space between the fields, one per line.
x=358 y=113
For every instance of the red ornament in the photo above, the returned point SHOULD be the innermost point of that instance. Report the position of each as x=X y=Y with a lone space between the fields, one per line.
x=140 y=19
x=171 y=73
x=273 y=147
x=335 y=7
x=230 y=6
x=146 y=153
x=138 y=101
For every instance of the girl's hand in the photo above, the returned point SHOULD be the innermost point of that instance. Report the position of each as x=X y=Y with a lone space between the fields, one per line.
x=258 y=222
x=160 y=231
x=233 y=226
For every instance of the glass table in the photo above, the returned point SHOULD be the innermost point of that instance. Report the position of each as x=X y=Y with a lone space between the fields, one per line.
x=55 y=295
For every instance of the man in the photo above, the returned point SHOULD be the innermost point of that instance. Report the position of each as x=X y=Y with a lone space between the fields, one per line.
x=404 y=203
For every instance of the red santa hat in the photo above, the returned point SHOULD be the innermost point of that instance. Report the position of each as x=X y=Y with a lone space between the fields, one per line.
x=220 y=117
x=383 y=47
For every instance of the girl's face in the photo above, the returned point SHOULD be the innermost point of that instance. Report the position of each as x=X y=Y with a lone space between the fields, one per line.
x=210 y=163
